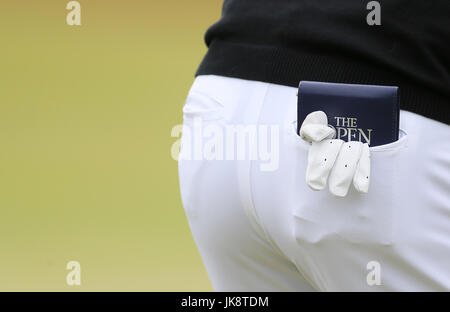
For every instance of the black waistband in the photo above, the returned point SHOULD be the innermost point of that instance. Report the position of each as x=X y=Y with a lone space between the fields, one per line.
x=286 y=67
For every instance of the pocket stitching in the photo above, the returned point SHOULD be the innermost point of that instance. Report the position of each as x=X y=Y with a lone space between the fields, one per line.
x=208 y=112
x=393 y=146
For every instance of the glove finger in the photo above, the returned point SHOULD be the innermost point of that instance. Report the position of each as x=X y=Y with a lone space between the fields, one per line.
x=315 y=127
x=316 y=132
x=344 y=168
x=316 y=117
x=362 y=175
x=321 y=157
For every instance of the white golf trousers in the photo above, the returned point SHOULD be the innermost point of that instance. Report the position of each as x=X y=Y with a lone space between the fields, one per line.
x=259 y=227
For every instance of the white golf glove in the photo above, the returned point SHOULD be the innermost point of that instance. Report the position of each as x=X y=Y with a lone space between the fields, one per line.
x=334 y=160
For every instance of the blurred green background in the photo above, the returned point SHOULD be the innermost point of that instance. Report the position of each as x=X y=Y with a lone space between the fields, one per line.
x=85 y=167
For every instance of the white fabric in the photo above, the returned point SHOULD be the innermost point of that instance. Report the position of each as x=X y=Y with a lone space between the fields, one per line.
x=341 y=162
x=262 y=230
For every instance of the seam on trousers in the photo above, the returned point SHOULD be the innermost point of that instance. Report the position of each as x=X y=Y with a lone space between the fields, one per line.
x=269 y=239
x=257 y=220
x=244 y=170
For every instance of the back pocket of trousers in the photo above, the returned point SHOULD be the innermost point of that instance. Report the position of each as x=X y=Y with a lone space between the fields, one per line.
x=202 y=117
x=357 y=218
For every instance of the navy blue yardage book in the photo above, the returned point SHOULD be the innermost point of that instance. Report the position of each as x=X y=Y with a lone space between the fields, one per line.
x=365 y=113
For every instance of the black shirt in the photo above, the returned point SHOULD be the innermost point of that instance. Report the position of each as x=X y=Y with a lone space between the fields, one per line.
x=286 y=41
